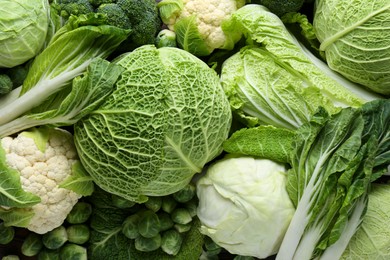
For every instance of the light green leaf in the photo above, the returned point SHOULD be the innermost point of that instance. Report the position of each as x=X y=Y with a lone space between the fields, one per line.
x=17 y=217
x=11 y=191
x=189 y=38
x=79 y=181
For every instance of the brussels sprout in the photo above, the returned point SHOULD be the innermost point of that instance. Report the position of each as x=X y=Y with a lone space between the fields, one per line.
x=149 y=224
x=56 y=238
x=192 y=206
x=147 y=244
x=165 y=221
x=121 y=202
x=181 y=228
x=171 y=242
x=168 y=204
x=185 y=194
x=78 y=234
x=6 y=234
x=154 y=203
x=166 y=38
x=181 y=216
x=211 y=247
x=130 y=226
x=48 y=254
x=73 y=252
x=80 y=213
x=32 y=244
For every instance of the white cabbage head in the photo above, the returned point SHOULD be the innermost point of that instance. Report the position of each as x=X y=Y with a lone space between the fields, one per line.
x=244 y=206
x=355 y=35
x=23 y=29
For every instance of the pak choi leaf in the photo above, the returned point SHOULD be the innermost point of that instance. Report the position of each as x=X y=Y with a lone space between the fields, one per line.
x=71 y=49
x=85 y=93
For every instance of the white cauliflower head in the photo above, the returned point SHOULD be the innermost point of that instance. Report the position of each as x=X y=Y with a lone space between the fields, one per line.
x=207 y=17
x=44 y=160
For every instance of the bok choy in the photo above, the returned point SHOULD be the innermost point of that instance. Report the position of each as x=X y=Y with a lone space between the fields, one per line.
x=68 y=54
x=334 y=159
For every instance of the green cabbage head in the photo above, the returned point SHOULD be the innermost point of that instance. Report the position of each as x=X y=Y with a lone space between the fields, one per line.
x=244 y=205
x=166 y=119
x=23 y=29
x=355 y=35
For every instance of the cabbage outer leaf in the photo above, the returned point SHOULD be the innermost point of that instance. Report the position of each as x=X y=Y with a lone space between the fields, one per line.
x=355 y=36
x=166 y=119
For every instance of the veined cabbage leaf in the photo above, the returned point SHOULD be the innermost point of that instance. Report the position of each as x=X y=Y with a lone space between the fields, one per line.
x=275 y=80
x=167 y=118
x=355 y=36
x=71 y=49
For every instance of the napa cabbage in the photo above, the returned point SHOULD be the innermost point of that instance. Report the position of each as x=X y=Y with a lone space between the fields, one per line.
x=167 y=118
x=355 y=36
x=275 y=80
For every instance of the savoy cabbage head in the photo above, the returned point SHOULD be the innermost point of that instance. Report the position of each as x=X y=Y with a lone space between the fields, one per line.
x=355 y=36
x=166 y=119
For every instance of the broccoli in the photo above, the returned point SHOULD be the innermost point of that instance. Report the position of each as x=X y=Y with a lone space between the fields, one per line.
x=141 y=17
x=280 y=7
x=72 y=7
x=115 y=15
x=5 y=84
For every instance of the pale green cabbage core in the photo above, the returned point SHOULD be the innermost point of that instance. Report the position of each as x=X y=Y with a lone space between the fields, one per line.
x=167 y=118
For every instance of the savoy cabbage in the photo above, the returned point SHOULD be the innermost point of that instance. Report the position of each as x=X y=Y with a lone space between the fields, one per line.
x=166 y=119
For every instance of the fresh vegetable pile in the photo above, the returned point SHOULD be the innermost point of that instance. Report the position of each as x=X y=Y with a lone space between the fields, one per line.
x=193 y=129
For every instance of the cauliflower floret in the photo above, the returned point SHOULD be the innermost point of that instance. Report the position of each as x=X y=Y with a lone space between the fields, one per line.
x=41 y=170
x=209 y=16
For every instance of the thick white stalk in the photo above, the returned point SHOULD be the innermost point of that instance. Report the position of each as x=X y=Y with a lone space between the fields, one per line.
x=38 y=94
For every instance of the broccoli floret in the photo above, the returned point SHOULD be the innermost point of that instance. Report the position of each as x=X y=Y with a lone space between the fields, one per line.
x=97 y=3
x=5 y=84
x=18 y=74
x=280 y=7
x=73 y=7
x=115 y=15
x=166 y=38
x=143 y=15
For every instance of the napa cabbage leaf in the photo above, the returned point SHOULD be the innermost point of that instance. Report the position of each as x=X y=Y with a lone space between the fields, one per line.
x=275 y=80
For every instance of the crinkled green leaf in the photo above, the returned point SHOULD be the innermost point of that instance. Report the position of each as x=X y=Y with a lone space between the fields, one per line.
x=166 y=119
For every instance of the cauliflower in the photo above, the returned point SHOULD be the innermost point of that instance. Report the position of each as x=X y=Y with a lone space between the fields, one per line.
x=201 y=25
x=44 y=158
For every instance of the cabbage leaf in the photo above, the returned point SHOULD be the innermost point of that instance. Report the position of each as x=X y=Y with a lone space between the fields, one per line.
x=355 y=36
x=167 y=118
x=275 y=80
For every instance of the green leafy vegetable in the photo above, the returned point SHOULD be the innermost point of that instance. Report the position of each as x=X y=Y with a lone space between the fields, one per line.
x=356 y=38
x=275 y=80
x=371 y=239
x=23 y=28
x=334 y=159
x=72 y=48
x=166 y=119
